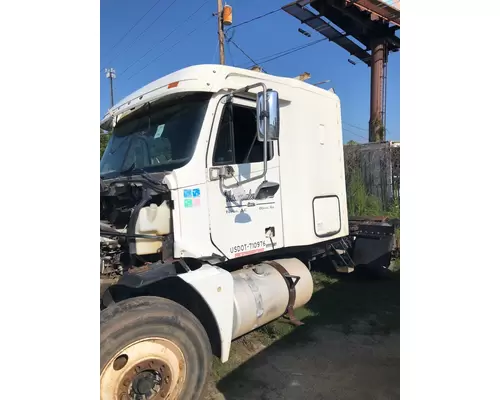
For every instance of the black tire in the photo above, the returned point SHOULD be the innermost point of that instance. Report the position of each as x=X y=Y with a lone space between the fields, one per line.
x=144 y=317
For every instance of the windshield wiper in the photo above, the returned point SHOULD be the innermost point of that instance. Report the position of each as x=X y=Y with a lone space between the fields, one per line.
x=139 y=176
x=145 y=175
x=142 y=173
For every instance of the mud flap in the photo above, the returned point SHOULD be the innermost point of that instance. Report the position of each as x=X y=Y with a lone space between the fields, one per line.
x=373 y=253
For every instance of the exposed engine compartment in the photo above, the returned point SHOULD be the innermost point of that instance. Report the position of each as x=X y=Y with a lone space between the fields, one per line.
x=135 y=224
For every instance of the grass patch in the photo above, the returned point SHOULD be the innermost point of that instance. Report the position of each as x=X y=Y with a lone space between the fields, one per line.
x=359 y=201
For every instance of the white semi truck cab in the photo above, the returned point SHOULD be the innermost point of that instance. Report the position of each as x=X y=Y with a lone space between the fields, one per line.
x=214 y=181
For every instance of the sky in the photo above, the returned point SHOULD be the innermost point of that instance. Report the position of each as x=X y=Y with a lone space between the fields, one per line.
x=170 y=44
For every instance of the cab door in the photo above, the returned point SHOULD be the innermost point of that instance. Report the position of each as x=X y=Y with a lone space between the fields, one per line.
x=241 y=224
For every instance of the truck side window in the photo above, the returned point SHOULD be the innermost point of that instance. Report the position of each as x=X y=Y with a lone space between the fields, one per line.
x=224 y=152
x=236 y=141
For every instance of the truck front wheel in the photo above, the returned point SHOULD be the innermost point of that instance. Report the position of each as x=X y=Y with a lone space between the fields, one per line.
x=152 y=349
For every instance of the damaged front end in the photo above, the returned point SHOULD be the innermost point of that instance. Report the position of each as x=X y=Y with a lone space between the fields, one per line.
x=135 y=225
x=147 y=144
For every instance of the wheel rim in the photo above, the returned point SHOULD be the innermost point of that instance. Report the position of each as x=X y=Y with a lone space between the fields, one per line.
x=148 y=369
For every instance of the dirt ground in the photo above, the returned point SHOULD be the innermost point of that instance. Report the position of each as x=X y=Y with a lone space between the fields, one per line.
x=348 y=349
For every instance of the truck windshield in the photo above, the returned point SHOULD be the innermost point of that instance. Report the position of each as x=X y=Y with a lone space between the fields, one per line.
x=159 y=137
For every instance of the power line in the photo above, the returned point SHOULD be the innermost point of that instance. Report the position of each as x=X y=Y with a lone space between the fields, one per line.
x=293 y=50
x=133 y=26
x=270 y=13
x=354 y=133
x=362 y=129
x=215 y=53
x=145 y=30
x=290 y=51
x=255 y=19
x=165 y=37
x=230 y=56
x=171 y=47
x=245 y=54
x=272 y=55
x=284 y=53
x=354 y=126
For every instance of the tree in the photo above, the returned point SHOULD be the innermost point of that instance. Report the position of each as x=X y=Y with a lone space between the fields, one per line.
x=104 y=141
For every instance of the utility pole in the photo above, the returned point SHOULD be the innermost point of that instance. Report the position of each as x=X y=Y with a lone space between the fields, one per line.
x=220 y=28
x=111 y=74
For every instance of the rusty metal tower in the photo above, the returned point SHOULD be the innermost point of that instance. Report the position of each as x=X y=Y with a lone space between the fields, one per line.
x=367 y=30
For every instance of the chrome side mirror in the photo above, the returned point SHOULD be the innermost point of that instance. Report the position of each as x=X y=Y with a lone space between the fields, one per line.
x=268 y=116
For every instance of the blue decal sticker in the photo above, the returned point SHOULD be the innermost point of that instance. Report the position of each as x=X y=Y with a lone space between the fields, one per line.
x=188 y=193
x=196 y=192
x=188 y=203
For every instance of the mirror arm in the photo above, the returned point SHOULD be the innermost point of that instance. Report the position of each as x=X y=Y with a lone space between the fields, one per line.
x=265 y=115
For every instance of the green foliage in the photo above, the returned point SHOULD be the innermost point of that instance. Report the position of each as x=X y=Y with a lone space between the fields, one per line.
x=393 y=211
x=104 y=142
x=378 y=130
x=359 y=201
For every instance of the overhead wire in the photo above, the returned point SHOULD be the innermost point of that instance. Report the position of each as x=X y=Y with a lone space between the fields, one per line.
x=243 y=52
x=131 y=28
x=287 y=52
x=254 y=19
x=354 y=126
x=230 y=56
x=154 y=5
x=165 y=37
x=354 y=133
x=171 y=47
x=215 y=52
x=284 y=53
x=361 y=129
x=144 y=31
x=228 y=40
x=261 y=61
x=294 y=50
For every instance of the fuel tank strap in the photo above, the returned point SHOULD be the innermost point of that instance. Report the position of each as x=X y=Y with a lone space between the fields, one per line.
x=291 y=281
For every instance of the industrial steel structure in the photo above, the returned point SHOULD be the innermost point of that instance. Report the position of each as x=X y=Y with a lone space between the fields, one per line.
x=367 y=30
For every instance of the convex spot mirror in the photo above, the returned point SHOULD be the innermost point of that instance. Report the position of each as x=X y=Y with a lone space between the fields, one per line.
x=272 y=108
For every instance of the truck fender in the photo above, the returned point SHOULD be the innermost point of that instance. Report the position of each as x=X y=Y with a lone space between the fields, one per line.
x=144 y=276
x=140 y=278
x=215 y=285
